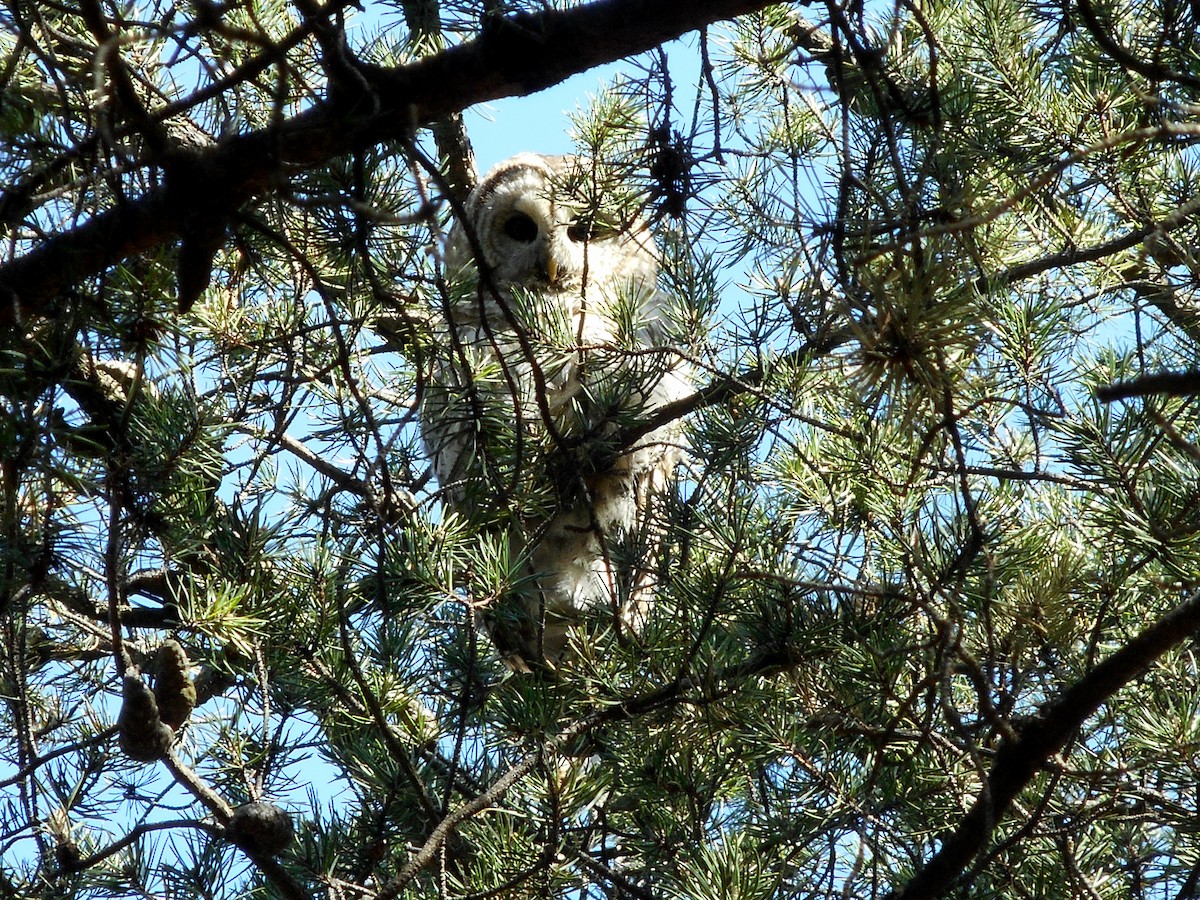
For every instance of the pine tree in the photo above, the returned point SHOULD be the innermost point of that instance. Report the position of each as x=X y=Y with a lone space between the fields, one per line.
x=926 y=619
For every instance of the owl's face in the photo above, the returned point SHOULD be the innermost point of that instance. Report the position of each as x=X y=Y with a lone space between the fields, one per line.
x=531 y=234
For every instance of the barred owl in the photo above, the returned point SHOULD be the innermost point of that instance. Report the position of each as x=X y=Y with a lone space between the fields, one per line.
x=556 y=341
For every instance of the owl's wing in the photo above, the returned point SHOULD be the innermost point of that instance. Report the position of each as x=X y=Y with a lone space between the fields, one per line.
x=448 y=428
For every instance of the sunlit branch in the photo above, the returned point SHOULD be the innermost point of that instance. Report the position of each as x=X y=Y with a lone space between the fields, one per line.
x=1018 y=761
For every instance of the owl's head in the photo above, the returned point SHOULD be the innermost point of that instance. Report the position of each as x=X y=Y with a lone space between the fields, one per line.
x=534 y=231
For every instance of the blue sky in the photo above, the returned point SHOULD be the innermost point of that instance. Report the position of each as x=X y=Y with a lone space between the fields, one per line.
x=540 y=123
x=537 y=123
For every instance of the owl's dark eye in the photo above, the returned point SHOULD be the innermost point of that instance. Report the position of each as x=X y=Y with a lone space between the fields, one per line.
x=580 y=230
x=521 y=228
x=589 y=228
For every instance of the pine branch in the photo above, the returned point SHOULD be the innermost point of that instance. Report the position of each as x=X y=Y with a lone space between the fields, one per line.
x=1018 y=761
x=724 y=388
x=279 y=877
x=1183 y=316
x=1152 y=70
x=676 y=691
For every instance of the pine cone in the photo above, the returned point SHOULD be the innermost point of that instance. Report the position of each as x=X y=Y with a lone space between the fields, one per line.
x=174 y=690
x=261 y=827
x=144 y=737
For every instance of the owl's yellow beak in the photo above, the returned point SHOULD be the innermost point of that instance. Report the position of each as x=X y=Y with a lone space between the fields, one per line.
x=551 y=268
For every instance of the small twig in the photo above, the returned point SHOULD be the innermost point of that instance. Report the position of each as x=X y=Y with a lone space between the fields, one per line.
x=1169 y=384
x=344 y=480
x=706 y=69
x=195 y=785
x=141 y=830
x=95 y=740
x=112 y=560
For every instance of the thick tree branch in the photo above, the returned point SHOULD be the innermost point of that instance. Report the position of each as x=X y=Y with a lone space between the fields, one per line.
x=1018 y=761
x=513 y=56
x=1152 y=70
